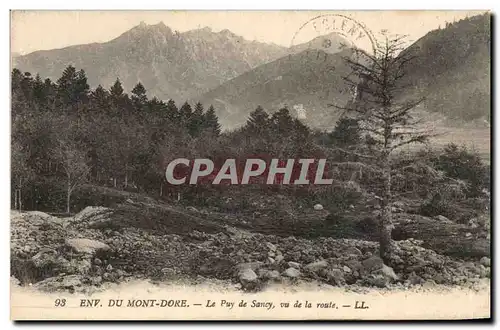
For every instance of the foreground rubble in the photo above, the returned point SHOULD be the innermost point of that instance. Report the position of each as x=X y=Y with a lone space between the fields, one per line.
x=79 y=254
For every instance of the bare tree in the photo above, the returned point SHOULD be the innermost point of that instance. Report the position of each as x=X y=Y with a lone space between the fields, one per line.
x=385 y=116
x=21 y=172
x=74 y=164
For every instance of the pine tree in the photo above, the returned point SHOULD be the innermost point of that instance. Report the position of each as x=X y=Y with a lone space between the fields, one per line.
x=258 y=120
x=172 y=113
x=211 y=121
x=116 y=90
x=185 y=114
x=282 y=122
x=139 y=97
x=195 y=124
x=389 y=122
x=346 y=133
x=72 y=87
x=100 y=99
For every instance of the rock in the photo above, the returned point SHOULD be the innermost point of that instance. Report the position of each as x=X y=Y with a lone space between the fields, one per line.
x=97 y=280
x=109 y=268
x=84 y=245
x=279 y=258
x=316 y=266
x=44 y=258
x=377 y=280
x=97 y=261
x=352 y=251
x=271 y=246
x=191 y=208
x=59 y=283
x=387 y=272
x=292 y=272
x=354 y=265
x=81 y=266
x=485 y=261
x=247 y=277
x=270 y=260
x=336 y=275
x=372 y=263
x=415 y=279
x=346 y=269
x=442 y=219
x=15 y=282
x=294 y=264
x=318 y=207
x=271 y=275
x=254 y=266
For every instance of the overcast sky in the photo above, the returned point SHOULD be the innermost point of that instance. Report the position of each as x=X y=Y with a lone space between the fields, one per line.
x=37 y=30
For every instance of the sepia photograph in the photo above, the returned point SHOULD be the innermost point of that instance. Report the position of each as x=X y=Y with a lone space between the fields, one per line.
x=250 y=165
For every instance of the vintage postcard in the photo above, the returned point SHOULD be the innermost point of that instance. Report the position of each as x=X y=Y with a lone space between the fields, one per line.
x=250 y=165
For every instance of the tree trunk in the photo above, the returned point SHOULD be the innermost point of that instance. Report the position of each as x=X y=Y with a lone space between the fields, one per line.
x=15 y=199
x=20 y=196
x=385 y=224
x=114 y=182
x=126 y=181
x=161 y=189
x=68 y=198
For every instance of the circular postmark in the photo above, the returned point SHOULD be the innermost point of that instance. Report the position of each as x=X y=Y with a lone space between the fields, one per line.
x=332 y=33
x=320 y=42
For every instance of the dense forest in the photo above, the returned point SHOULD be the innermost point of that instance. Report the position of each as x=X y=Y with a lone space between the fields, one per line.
x=68 y=138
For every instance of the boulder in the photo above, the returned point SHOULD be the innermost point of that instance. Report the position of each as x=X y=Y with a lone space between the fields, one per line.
x=352 y=251
x=316 y=266
x=271 y=246
x=85 y=245
x=254 y=266
x=247 y=277
x=485 y=261
x=14 y=281
x=336 y=276
x=372 y=263
x=318 y=207
x=59 y=283
x=271 y=275
x=442 y=219
x=292 y=272
x=387 y=272
x=377 y=280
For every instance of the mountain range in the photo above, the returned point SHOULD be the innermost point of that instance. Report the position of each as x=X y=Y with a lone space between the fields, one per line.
x=451 y=68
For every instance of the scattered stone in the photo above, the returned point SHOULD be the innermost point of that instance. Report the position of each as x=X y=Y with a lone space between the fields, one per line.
x=254 y=266
x=336 y=275
x=247 y=277
x=387 y=272
x=292 y=272
x=318 y=207
x=415 y=279
x=316 y=266
x=485 y=261
x=346 y=269
x=353 y=251
x=442 y=219
x=84 y=245
x=294 y=264
x=372 y=263
x=271 y=246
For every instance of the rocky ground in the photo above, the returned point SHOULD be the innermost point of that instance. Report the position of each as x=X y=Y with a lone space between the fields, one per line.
x=85 y=253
